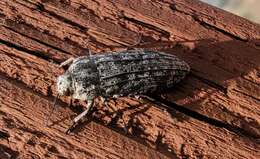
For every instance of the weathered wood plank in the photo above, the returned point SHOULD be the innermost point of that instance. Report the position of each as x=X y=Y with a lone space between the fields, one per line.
x=223 y=53
x=224 y=62
x=182 y=135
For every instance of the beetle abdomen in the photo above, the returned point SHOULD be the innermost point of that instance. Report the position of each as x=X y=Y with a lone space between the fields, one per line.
x=138 y=72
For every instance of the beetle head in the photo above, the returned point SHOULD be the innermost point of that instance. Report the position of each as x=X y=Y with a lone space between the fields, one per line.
x=64 y=84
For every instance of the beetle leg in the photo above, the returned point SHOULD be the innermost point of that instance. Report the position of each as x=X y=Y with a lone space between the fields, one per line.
x=104 y=100
x=71 y=101
x=137 y=97
x=80 y=116
x=89 y=53
x=114 y=98
x=85 y=112
x=67 y=62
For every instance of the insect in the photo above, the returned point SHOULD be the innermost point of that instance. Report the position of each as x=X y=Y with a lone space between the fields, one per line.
x=115 y=74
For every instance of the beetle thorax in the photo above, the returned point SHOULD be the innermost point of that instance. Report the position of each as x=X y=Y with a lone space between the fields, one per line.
x=64 y=84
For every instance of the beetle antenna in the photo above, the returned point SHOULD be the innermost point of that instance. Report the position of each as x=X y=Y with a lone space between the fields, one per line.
x=52 y=110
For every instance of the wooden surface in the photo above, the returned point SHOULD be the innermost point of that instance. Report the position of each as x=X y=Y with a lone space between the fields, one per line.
x=222 y=49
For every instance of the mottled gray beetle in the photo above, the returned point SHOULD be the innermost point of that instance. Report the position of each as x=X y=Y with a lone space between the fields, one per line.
x=131 y=72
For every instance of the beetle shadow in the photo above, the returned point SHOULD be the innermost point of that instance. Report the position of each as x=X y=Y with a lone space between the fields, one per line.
x=213 y=64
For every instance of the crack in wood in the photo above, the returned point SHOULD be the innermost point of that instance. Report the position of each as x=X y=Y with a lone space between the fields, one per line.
x=210 y=83
x=212 y=27
x=196 y=18
x=255 y=98
x=35 y=53
x=163 y=32
x=37 y=40
x=82 y=28
x=173 y=106
x=41 y=7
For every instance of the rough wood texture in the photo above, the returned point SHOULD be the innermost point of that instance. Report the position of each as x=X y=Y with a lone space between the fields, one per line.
x=222 y=50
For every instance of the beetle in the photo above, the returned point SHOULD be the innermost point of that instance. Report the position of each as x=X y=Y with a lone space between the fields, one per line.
x=115 y=74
